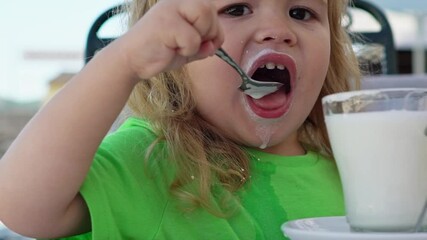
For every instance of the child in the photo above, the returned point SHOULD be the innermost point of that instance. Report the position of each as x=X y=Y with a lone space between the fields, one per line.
x=200 y=159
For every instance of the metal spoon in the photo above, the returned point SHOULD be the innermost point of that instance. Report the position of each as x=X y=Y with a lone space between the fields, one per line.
x=255 y=89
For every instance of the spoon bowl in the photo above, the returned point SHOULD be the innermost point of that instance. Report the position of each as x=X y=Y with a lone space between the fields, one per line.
x=255 y=89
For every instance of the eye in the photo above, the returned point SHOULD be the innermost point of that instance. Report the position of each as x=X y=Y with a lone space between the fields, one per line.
x=301 y=13
x=236 y=10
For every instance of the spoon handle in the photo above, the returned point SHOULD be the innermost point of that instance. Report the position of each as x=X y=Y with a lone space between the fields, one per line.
x=224 y=56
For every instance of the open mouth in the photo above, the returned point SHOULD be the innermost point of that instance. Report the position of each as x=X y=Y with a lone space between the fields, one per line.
x=272 y=72
x=274 y=67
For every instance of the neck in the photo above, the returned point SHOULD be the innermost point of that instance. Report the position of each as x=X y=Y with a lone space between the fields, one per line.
x=290 y=147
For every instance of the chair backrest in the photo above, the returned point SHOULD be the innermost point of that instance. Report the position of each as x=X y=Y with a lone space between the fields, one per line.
x=383 y=38
x=375 y=43
x=94 y=42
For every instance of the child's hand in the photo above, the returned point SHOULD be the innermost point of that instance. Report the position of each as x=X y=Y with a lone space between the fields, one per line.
x=170 y=34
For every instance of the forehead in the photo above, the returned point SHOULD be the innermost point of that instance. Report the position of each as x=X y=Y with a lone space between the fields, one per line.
x=324 y=1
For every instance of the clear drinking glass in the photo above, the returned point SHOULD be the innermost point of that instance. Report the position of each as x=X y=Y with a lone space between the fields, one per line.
x=379 y=141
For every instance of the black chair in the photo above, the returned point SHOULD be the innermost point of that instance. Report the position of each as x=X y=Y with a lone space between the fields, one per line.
x=94 y=43
x=384 y=37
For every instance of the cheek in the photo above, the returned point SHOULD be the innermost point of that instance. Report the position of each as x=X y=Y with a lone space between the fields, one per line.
x=322 y=57
x=313 y=75
x=211 y=86
x=318 y=50
x=210 y=74
x=319 y=63
x=213 y=82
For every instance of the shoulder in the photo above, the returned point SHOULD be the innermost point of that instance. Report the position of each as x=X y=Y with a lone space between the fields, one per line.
x=129 y=152
x=322 y=160
x=122 y=181
x=130 y=144
x=132 y=132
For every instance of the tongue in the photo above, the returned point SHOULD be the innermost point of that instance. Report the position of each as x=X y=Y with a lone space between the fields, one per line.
x=271 y=101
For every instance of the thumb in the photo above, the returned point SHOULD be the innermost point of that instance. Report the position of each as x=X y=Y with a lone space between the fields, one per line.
x=209 y=47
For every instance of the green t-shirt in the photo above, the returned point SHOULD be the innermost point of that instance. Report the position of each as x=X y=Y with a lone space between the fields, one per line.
x=128 y=197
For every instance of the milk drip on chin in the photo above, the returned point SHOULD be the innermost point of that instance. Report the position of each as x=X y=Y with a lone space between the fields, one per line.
x=264 y=129
x=264 y=132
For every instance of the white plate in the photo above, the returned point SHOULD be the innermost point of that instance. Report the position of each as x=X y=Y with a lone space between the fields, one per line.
x=5 y=233
x=336 y=228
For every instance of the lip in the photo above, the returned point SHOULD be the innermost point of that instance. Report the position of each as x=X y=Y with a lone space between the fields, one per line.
x=269 y=55
x=269 y=113
x=282 y=102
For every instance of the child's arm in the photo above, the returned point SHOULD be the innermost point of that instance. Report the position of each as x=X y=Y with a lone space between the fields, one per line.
x=41 y=173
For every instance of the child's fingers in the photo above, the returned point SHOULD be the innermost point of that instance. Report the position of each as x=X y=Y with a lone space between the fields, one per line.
x=178 y=31
x=187 y=41
x=214 y=34
x=203 y=18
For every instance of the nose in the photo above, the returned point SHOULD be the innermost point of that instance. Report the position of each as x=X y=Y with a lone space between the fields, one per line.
x=276 y=30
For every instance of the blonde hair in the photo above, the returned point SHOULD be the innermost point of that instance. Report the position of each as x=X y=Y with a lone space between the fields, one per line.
x=196 y=148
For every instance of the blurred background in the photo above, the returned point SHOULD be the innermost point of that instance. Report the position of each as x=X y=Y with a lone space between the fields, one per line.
x=41 y=46
x=43 y=42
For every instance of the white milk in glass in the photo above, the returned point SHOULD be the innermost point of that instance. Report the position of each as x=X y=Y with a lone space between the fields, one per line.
x=382 y=159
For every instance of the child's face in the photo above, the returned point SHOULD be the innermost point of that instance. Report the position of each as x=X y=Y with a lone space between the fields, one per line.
x=290 y=34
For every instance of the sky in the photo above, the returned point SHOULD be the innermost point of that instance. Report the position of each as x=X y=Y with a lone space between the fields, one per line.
x=42 y=26
x=405 y=5
x=51 y=26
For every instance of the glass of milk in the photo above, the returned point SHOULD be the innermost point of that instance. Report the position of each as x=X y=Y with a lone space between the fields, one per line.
x=379 y=141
